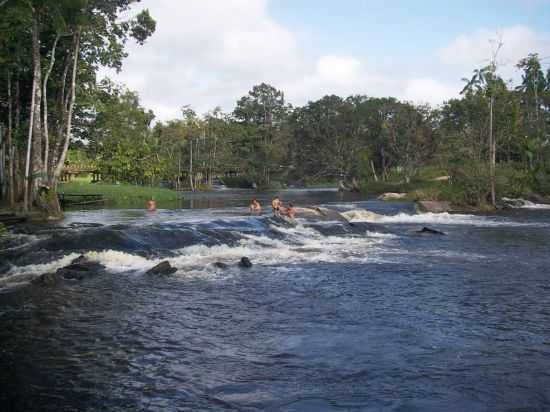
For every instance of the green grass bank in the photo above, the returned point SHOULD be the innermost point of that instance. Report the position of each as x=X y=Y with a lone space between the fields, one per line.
x=123 y=195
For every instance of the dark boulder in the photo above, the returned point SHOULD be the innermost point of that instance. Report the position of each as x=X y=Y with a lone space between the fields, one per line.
x=80 y=269
x=221 y=265
x=512 y=203
x=164 y=268
x=429 y=231
x=47 y=279
x=245 y=262
x=80 y=259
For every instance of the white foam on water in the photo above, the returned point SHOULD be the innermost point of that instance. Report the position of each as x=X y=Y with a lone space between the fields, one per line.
x=18 y=274
x=24 y=240
x=447 y=219
x=381 y=235
x=117 y=262
x=531 y=205
x=300 y=245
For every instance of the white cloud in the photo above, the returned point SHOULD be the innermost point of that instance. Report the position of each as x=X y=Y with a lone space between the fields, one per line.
x=473 y=50
x=209 y=52
x=340 y=69
x=426 y=90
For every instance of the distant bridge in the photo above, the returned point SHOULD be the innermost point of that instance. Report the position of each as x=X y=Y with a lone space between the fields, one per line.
x=72 y=170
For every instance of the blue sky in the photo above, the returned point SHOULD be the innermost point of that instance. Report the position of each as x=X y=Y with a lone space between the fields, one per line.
x=208 y=53
x=363 y=25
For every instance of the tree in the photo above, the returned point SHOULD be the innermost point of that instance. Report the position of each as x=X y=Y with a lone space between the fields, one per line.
x=264 y=108
x=81 y=35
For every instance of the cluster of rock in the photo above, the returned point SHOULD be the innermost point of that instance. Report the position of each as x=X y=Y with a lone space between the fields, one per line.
x=78 y=269
x=517 y=203
x=81 y=268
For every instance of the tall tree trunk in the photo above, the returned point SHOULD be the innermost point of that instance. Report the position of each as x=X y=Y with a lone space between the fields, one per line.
x=492 y=154
x=3 y=183
x=45 y=111
x=62 y=109
x=69 y=112
x=373 y=171
x=37 y=148
x=26 y=188
x=191 y=181
x=9 y=143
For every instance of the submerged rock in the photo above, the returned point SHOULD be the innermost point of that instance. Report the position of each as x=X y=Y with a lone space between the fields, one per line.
x=47 y=279
x=221 y=265
x=427 y=230
x=163 y=268
x=245 y=262
x=432 y=206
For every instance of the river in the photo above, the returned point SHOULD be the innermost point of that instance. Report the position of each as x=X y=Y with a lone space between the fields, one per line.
x=372 y=316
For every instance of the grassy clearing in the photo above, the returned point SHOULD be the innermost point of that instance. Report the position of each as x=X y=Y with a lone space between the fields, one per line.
x=123 y=195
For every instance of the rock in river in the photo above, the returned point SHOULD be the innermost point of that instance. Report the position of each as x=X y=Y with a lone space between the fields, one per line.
x=221 y=265
x=429 y=231
x=163 y=268
x=47 y=279
x=245 y=262
x=79 y=269
x=392 y=196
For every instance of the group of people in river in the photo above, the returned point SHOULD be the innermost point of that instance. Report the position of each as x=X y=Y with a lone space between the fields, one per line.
x=276 y=206
x=255 y=207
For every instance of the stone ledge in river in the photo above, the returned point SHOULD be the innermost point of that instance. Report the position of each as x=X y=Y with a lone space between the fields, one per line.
x=163 y=268
x=432 y=206
x=392 y=196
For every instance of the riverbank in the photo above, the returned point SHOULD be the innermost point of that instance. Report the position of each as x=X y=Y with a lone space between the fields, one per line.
x=121 y=195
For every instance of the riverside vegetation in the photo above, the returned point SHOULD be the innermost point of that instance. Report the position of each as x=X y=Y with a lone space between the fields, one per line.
x=493 y=141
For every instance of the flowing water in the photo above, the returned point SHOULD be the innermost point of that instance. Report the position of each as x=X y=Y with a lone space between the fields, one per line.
x=331 y=316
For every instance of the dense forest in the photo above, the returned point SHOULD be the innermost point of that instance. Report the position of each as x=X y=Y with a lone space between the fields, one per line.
x=492 y=141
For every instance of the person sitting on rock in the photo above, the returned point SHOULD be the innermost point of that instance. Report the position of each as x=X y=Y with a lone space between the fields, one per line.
x=276 y=205
x=290 y=211
x=255 y=207
x=151 y=205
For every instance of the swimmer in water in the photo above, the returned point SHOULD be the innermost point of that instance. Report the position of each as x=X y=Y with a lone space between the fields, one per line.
x=255 y=207
x=151 y=205
x=290 y=211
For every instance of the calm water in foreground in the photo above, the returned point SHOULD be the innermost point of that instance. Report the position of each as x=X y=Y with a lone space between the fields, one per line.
x=332 y=317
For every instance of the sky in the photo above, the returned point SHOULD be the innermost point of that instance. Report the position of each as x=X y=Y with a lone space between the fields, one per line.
x=208 y=53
